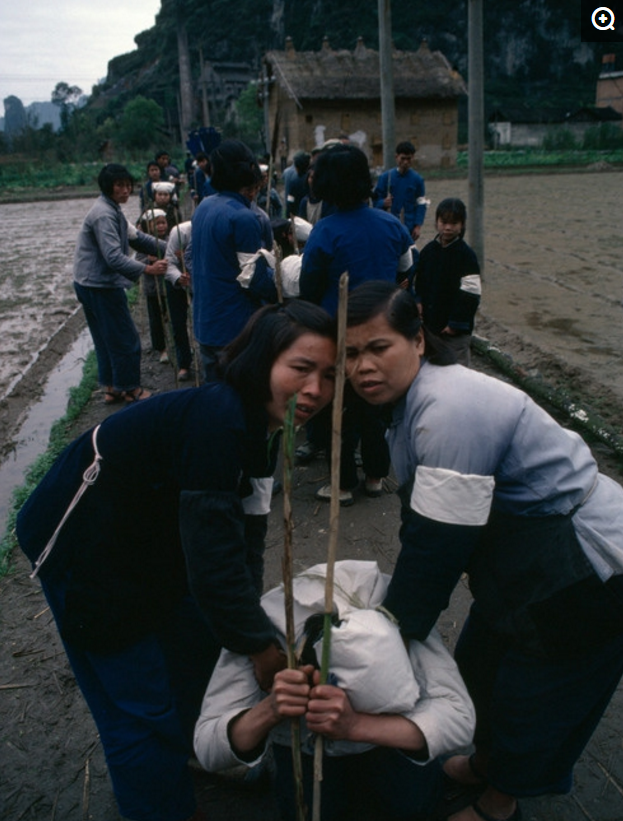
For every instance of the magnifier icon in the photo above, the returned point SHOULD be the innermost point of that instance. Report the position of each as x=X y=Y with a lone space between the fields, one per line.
x=603 y=18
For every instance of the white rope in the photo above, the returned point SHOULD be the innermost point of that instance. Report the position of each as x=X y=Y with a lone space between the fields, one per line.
x=88 y=478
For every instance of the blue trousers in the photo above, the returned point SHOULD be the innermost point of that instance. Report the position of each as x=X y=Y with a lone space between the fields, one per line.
x=361 y=424
x=534 y=716
x=177 y=302
x=382 y=779
x=145 y=700
x=116 y=340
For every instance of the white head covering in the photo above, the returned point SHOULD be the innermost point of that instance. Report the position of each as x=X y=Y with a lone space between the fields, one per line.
x=169 y=187
x=290 y=275
x=302 y=229
x=152 y=213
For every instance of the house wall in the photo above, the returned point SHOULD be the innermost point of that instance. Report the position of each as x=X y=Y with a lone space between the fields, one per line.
x=610 y=91
x=531 y=135
x=432 y=126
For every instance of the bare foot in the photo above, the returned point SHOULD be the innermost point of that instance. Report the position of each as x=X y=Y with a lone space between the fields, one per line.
x=464 y=769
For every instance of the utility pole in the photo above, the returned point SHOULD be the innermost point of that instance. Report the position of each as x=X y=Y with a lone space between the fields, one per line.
x=388 y=108
x=183 y=56
x=475 y=134
x=204 y=91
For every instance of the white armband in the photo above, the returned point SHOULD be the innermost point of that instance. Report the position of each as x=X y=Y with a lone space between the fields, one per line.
x=258 y=503
x=471 y=284
x=452 y=498
x=247 y=265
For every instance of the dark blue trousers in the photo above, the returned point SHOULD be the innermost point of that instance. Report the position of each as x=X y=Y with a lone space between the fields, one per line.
x=177 y=303
x=145 y=700
x=534 y=715
x=382 y=781
x=116 y=340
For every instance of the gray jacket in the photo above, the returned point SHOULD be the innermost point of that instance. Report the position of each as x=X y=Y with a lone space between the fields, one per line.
x=102 y=258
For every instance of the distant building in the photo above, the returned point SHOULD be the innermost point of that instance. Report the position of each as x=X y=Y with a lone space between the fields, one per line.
x=610 y=85
x=527 y=127
x=314 y=96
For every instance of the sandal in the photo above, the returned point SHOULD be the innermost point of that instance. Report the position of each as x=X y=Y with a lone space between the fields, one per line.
x=112 y=397
x=514 y=816
x=136 y=395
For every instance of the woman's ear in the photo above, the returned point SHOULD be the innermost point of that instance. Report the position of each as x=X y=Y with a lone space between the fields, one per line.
x=419 y=342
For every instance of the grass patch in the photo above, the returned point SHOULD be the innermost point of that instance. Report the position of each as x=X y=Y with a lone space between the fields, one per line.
x=60 y=436
x=25 y=180
x=528 y=158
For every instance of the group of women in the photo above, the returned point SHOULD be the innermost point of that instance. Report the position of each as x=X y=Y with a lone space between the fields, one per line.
x=158 y=565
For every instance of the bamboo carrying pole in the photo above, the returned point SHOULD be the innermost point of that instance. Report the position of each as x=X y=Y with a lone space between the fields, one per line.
x=163 y=304
x=287 y=574
x=189 y=304
x=336 y=446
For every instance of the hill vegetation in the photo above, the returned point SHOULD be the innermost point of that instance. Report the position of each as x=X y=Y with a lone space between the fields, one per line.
x=533 y=57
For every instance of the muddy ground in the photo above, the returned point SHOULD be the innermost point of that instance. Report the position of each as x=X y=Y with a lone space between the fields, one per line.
x=552 y=301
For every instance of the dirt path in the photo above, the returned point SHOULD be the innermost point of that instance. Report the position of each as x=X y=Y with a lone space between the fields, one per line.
x=552 y=300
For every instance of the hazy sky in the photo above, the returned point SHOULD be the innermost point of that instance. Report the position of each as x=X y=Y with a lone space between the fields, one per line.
x=43 y=42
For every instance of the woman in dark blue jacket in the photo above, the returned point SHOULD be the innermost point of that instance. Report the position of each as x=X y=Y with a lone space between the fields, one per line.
x=160 y=561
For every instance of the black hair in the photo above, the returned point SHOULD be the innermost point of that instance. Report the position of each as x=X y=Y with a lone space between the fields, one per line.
x=110 y=174
x=342 y=176
x=246 y=363
x=151 y=164
x=400 y=309
x=282 y=228
x=452 y=209
x=233 y=166
x=161 y=154
x=405 y=147
x=201 y=155
x=301 y=161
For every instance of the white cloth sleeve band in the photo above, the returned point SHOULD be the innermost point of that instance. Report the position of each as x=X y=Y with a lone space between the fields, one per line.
x=247 y=265
x=471 y=284
x=452 y=498
x=405 y=262
x=258 y=503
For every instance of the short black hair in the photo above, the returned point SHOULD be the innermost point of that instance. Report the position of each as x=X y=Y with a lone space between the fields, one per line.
x=400 y=309
x=246 y=363
x=452 y=209
x=233 y=166
x=405 y=147
x=110 y=174
x=151 y=164
x=301 y=161
x=342 y=176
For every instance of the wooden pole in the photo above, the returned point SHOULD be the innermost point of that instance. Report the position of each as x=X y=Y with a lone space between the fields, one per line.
x=288 y=590
x=476 y=126
x=334 y=517
x=386 y=67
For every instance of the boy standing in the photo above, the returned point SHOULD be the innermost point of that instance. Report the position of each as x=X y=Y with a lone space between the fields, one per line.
x=401 y=191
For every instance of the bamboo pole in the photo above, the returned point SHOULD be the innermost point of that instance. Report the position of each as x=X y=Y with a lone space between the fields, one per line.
x=288 y=588
x=334 y=518
x=165 y=311
x=278 y=279
x=189 y=304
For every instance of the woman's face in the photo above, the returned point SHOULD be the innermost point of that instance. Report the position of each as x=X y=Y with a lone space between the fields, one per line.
x=307 y=369
x=121 y=190
x=380 y=362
